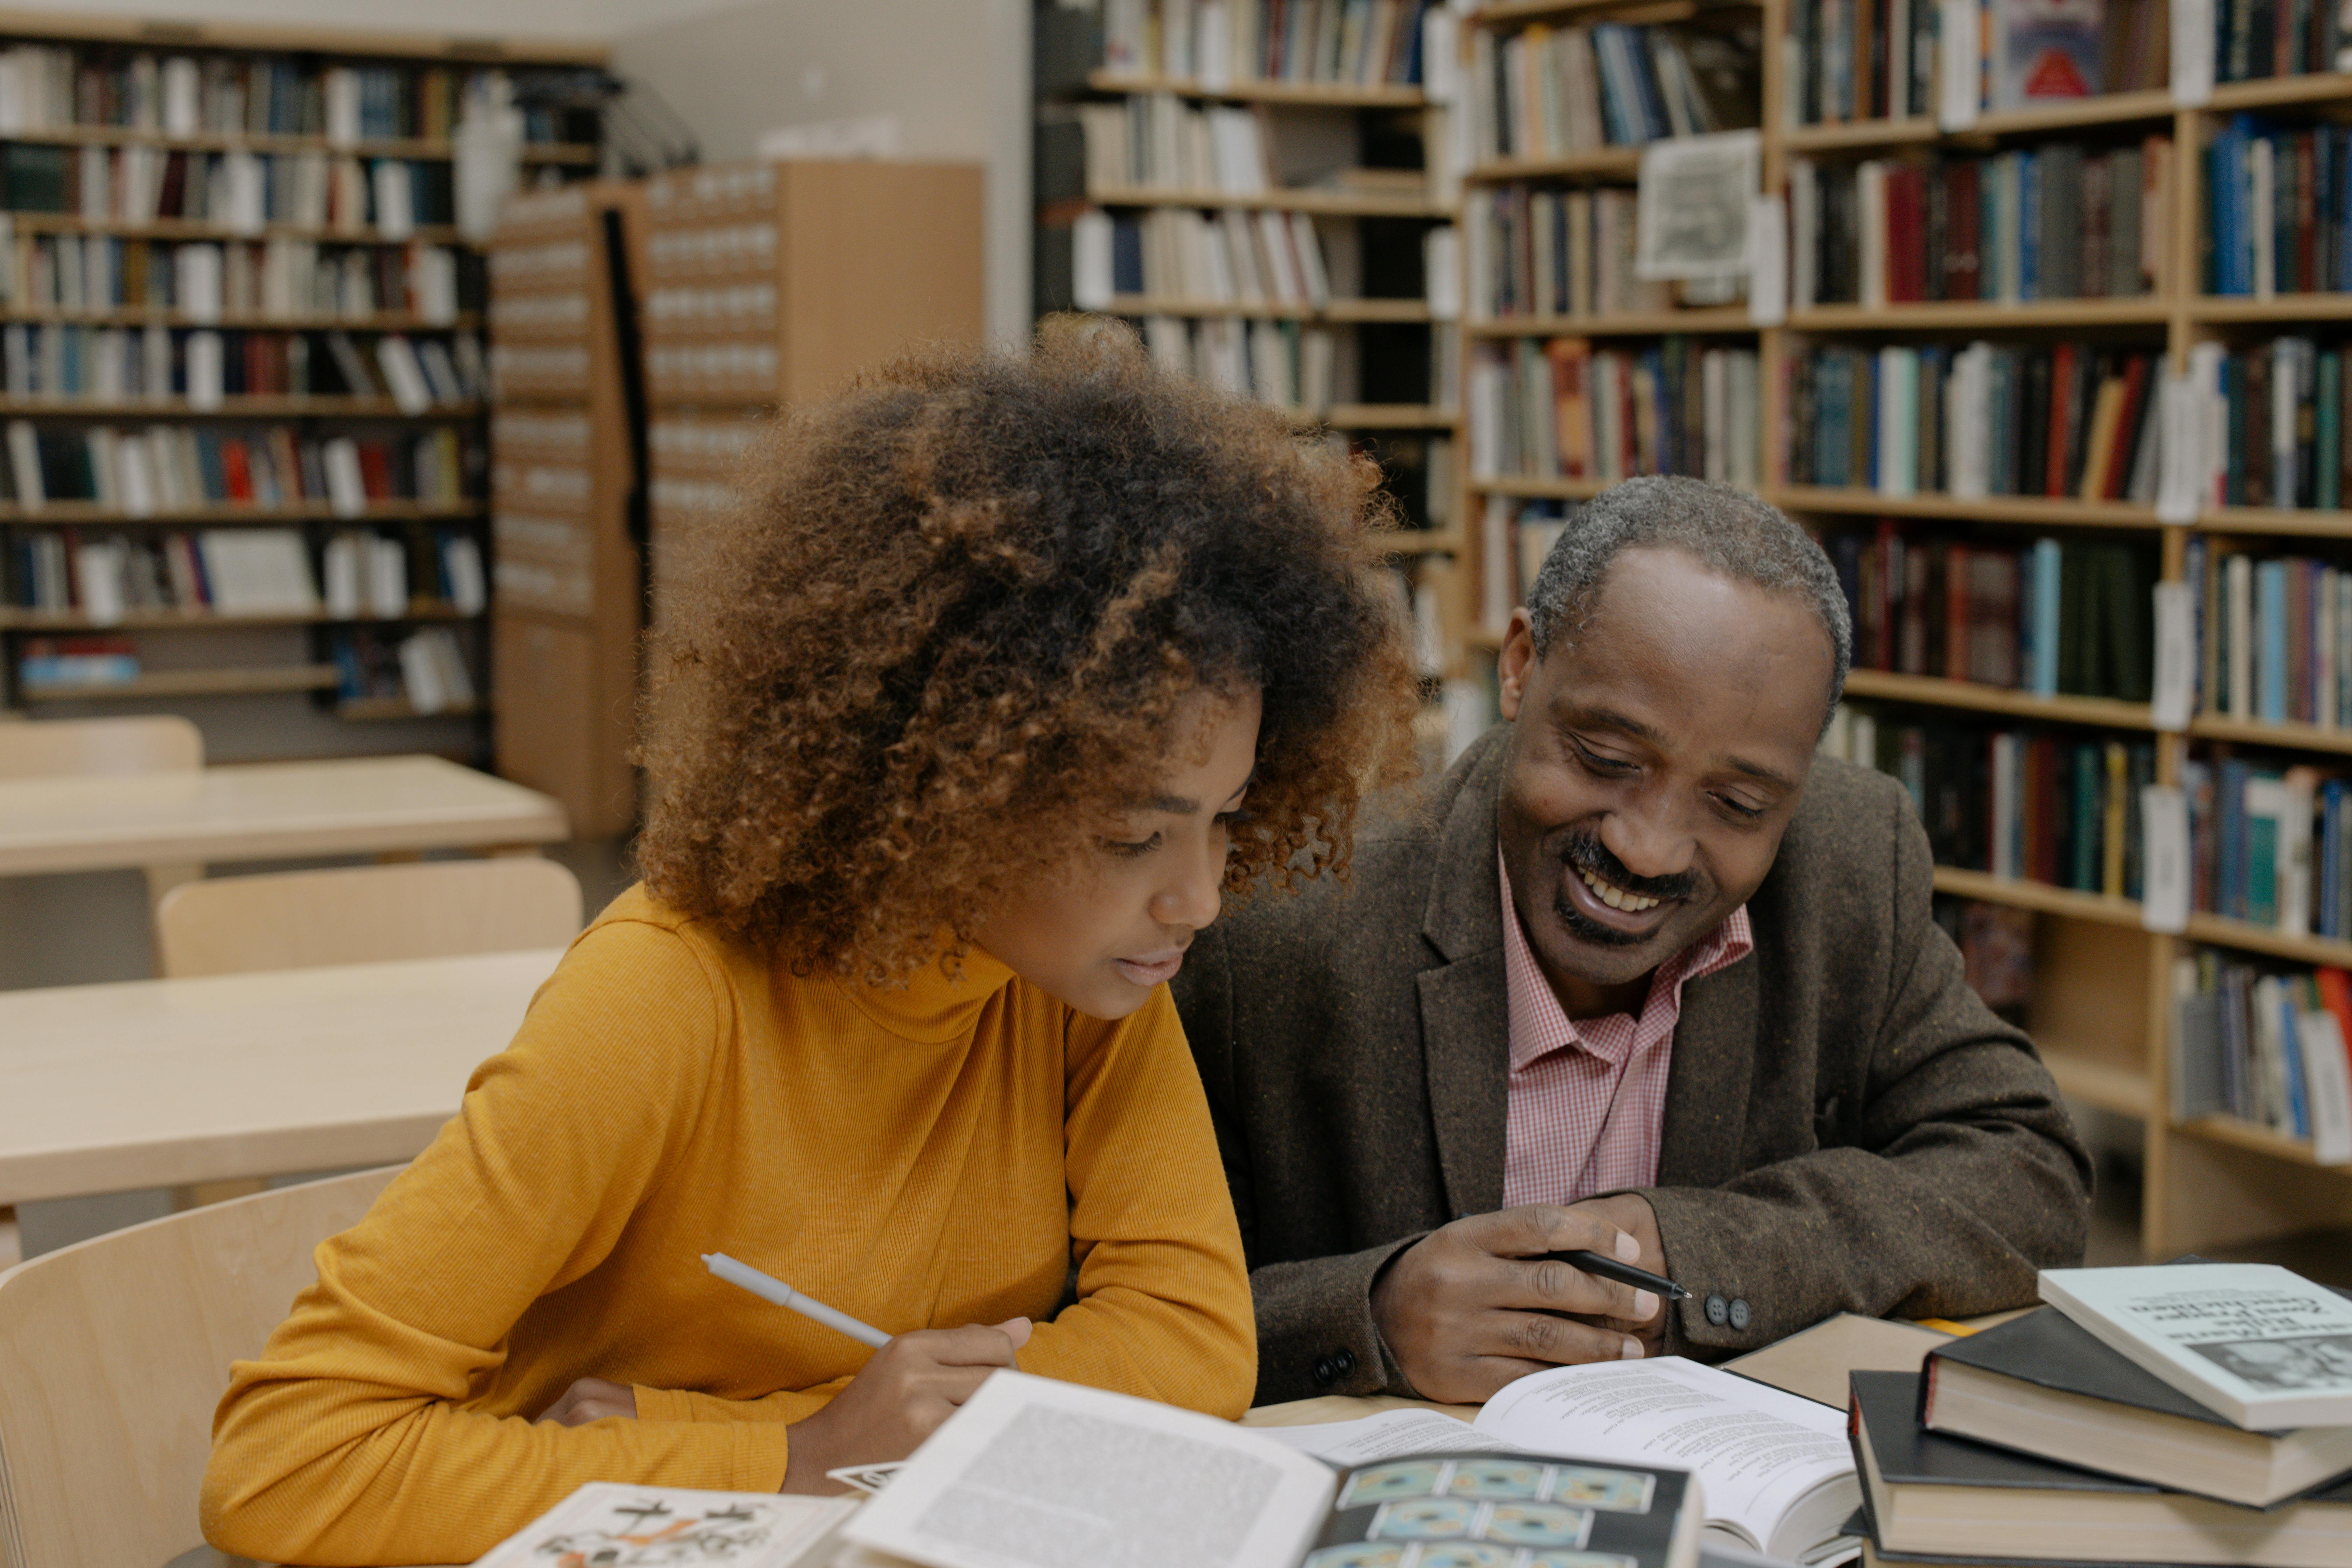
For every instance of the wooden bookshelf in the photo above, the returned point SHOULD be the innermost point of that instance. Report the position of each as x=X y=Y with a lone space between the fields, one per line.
x=1362 y=226
x=2102 y=1013
x=421 y=527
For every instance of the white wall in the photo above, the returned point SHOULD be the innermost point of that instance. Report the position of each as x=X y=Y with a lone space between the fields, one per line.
x=955 y=73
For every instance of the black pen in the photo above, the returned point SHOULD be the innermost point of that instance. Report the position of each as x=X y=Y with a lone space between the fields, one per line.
x=1605 y=1267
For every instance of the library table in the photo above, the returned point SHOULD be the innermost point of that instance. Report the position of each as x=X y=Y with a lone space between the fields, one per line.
x=266 y=811
x=162 y=1083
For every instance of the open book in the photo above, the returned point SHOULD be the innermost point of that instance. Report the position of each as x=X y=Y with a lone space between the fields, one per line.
x=614 y=1525
x=1600 y=1467
x=1778 y=1474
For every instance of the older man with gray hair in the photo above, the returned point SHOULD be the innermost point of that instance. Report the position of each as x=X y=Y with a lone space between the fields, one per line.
x=1642 y=976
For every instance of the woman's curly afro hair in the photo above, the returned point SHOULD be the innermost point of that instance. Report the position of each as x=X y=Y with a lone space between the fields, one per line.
x=953 y=620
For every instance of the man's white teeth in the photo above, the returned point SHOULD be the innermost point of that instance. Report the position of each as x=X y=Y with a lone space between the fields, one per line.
x=1615 y=897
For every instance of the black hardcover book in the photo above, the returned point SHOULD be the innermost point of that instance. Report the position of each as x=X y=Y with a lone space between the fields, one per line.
x=2042 y=1385
x=1936 y=1495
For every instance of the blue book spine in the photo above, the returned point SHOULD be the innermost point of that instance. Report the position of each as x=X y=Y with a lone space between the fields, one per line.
x=2045 y=618
x=2231 y=896
x=2270 y=589
x=2291 y=1038
x=2331 y=836
x=2029 y=601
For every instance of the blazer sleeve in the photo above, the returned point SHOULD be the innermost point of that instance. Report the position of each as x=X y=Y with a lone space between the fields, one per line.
x=1948 y=1172
x=1315 y=1329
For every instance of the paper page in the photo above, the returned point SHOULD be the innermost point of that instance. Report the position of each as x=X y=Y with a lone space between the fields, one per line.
x=1389 y=1432
x=1759 y=1450
x=617 y=1526
x=1033 y=1473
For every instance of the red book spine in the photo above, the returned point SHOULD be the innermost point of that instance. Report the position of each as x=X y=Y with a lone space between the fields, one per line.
x=2062 y=418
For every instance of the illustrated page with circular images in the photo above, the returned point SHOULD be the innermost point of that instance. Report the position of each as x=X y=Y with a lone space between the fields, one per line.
x=1507 y=1510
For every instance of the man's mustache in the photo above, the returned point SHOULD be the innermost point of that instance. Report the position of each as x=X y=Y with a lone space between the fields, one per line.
x=1585 y=852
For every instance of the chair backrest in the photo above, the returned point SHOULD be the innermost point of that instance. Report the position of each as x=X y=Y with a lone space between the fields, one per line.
x=113 y=1353
x=48 y=748
x=366 y=914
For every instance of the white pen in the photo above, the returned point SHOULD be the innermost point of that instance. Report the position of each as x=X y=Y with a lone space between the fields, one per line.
x=768 y=1288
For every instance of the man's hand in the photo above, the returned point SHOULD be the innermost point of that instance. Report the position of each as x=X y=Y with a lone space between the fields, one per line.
x=912 y=1385
x=1474 y=1306
x=592 y=1399
x=1632 y=1214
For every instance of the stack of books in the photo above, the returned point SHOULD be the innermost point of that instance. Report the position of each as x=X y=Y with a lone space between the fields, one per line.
x=2192 y=1413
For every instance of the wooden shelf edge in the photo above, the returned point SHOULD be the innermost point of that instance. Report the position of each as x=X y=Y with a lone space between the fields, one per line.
x=2221 y=931
x=1713 y=318
x=1336 y=203
x=305 y=408
x=2284 y=733
x=2229 y=1129
x=1339 y=310
x=89 y=514
x=2055 y=510
x=2040 y=897
x=224 y=682
x=1938 y=692
x=2222 y=309
x=455 y=49
x=37 y=624
x=1536 y=488
x=2143 y=310
x=1607 y=163
x=1298 y=94
x=2082 y=1076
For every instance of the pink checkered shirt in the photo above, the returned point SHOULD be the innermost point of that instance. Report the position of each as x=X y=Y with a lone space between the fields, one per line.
x=1588 y=1100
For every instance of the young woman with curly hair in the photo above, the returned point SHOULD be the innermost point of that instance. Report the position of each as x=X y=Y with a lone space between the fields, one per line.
x=949 y=763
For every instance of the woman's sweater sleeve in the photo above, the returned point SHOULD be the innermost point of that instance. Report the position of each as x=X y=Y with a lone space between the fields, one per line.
x=347 y=1441
x=1163 y=1298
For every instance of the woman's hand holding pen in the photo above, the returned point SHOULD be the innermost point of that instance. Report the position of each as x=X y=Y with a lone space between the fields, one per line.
x=911 y=1385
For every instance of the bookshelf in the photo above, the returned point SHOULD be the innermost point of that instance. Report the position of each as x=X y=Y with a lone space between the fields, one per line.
x=2101 y=1002
x=240 y=327
x=770 y=284
x=1344 y=315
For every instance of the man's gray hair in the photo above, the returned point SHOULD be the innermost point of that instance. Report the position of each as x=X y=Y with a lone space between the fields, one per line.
x=1730 y=530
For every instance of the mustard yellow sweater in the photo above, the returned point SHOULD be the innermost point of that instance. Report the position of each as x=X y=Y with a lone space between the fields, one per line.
x=920 y=1158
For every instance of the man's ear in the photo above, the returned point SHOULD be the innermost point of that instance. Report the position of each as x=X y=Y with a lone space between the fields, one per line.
x=1515 y=667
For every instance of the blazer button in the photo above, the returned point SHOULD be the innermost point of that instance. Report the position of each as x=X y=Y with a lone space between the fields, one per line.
x=1344 y=1359
x=1326 y=1374
x=1718 y=1310
x=1740 y=1315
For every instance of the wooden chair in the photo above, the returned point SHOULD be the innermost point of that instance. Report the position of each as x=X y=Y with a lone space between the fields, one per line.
x=50 y=747
x=114 y=1351
x=303 y=920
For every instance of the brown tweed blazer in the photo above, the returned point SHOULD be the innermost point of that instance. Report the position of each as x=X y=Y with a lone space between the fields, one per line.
x=1847 y=1127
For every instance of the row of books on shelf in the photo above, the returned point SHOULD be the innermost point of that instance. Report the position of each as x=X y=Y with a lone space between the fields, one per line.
x=1545 y=92
x=354 y=573
x=1358 y=43
x=1178 y=253
x=2278 y=209
x=53 y=86
x=1281 y=363
x=2254 y=39
x=2265 y=1045
x=203 y=280
x=1873 y=59
x=1563 y=409
x=427 y=669
x=383 y=198
x=2045 y=805
x=2068 y=420
x=70 y=360
x=2269 y=846
x=1158 y=142
x=2059 y=221
x=1533 y=251
x=2273 y=636
x=2052 y=617
x=171 y=468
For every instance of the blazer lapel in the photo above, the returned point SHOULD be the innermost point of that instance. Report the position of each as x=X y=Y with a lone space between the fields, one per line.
x=1706 y=1118
x=1465 y=1026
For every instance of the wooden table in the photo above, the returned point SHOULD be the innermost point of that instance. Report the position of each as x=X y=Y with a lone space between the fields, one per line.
x=265 y=811
x=159 y=1083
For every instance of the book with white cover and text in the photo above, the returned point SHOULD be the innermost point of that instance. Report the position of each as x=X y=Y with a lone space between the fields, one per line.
x=2256 y=1344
